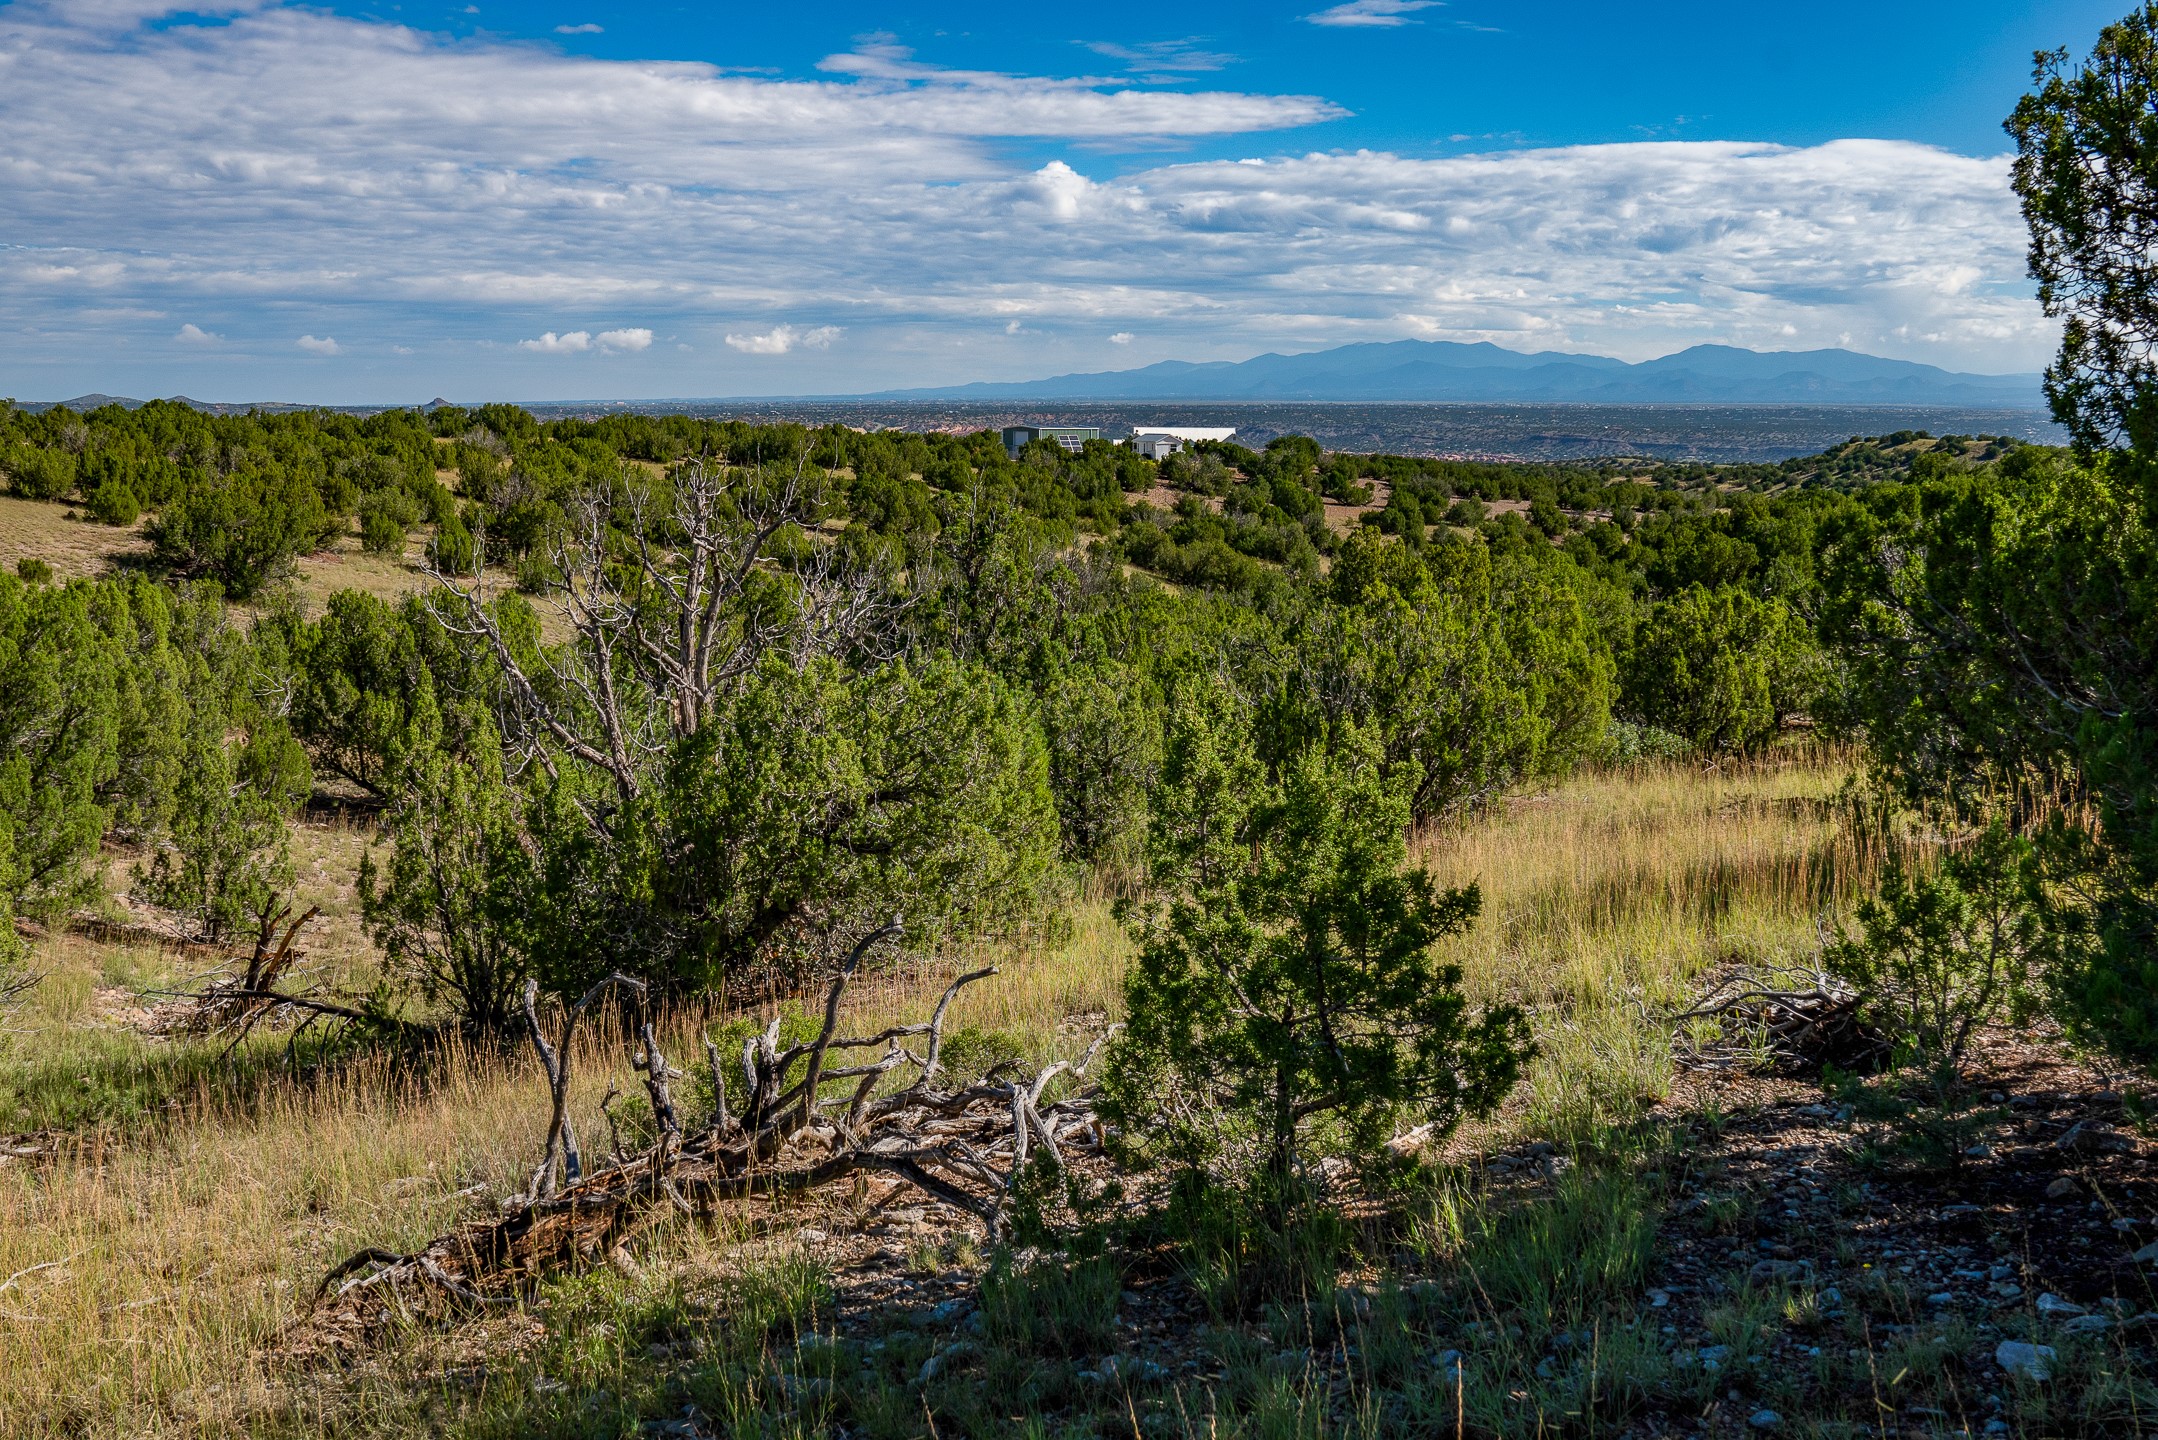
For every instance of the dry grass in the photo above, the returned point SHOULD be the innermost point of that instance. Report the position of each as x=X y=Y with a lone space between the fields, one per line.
x=78 y=546
x=185 y=1248
x=345 y=566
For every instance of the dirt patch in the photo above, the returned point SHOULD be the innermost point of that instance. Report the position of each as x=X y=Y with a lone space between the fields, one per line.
x=1341 y=519
x=1164 y=499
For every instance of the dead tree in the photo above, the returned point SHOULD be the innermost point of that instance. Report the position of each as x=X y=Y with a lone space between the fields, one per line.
x=229 y=1004
x=666 y=602
x=827 y=1109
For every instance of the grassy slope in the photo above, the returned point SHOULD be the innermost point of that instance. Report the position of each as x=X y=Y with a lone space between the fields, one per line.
x=189 y=1244
x=81 y=547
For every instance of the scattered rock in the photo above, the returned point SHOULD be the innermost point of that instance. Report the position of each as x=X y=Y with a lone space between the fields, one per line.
x=945 y=1312
x=2087 y=1325
x=938 y=1363
x=1780 y=1272
x=2062 y=1188
x=2148 y=1255
x=2024 y=1360
x=1450 y=1365
x=2053 y=1307
x=1764 y=1419
x=1132 y=1370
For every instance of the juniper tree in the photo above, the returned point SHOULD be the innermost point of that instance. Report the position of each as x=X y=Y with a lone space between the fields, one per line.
x=1285 y=984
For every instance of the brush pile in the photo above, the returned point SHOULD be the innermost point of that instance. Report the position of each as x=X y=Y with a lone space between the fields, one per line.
x=1794 y=1021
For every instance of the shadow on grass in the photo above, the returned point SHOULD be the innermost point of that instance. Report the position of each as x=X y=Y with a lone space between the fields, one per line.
x=103 y=1080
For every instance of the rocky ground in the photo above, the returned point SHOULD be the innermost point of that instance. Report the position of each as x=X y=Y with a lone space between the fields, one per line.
x=1798 y=1256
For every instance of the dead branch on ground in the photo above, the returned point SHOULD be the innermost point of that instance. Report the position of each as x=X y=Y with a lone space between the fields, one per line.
x=1802 y=1019
x=815 y=1113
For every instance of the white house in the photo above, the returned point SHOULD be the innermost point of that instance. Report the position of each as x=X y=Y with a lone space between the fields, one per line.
x=1157 y=442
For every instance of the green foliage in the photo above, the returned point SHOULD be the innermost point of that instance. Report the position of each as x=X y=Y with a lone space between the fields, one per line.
x=1052 y=1305
x=451 y=548
x=33 y=571
x=360 y=681
x=1242 y=1242
x=1946 y=952
x=244 y=530
x=385 y=516
x=1627 y=743
x=224 y=856
x=38 y=474
x=1284 y=993
x=1104 y=736
x=1474 y=677
x=114 y=502
x=1719 y=668
x=1994 y=632
x=2087 y=172
x=821 y=801
x=970 y=1052
x=89 y=707
x=452 y=912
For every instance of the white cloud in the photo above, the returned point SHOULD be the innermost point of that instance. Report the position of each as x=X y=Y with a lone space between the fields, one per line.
x=1372 y=12
x=553 y=344
x=403 y=174
x=1122 y=337
x=782 y=338
x=193 y=334
x=319 y=345
x=1157 y=58
x=588 y=28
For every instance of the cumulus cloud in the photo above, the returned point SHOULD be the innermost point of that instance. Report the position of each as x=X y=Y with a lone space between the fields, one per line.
x=193 y=334
x=1372 y=12
x=1122 y=337
x=588 y=28
x=518 y=180
x=319 y=345
x=553 y=344
x=782 y=338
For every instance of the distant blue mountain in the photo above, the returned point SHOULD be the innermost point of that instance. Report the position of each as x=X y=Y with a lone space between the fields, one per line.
x=1440 y=370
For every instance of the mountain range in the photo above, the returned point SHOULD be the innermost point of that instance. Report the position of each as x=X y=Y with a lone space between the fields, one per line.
x=1442 y=371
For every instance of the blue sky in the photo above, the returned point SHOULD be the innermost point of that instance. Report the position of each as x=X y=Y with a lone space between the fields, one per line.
x=1492 y=72
x=539 y=201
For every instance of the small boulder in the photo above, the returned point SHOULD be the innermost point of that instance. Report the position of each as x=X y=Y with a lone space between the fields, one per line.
x=2024 y=1360
x=1764 y=1419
